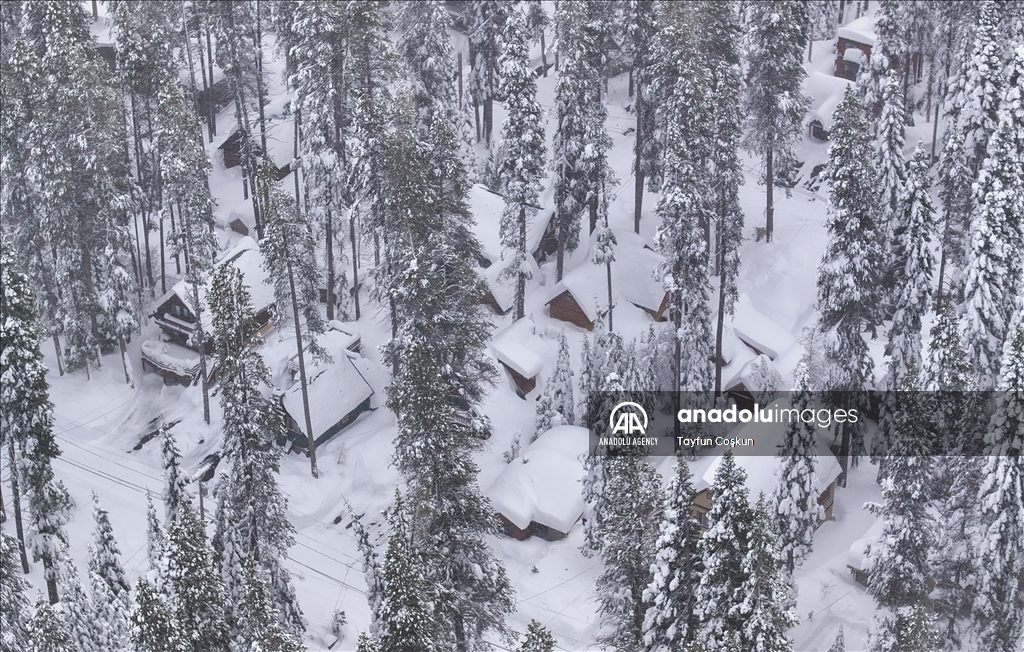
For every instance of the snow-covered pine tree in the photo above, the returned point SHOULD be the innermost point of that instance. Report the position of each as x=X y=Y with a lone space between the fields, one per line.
x=48 y=630
x=536 y=22
x=14 y=606
x=86 y=630
x=290 y=260
x=850 y=271
x=82 y=192
x=404 y=617
x=839 y=645
x=427 y=50
x=485 y=20
x=723 y=548
x=153 y=628
x=575 y=91
x=774 y=102
x=538 y=639
x=982 y=85
x=325 y=100
x=954 y=177
x=561 y=382
x=823 y=18
x=670 y=623
x=587 y=381
x=994 y=273
x=111 y=595
x=797 y=512
x=155 y=536
x=624 y=490
x=197 y=600
x=521 y=153
x=641 y=25
x=251 y=427
x=604 y=254
x=998 y=611
x=765 y=380
x=765 y=597
x=891 y=175
x=900 y=570
x=185 y=170
x=890 y=22
x=259 y=620
x=175 y=479
x=686 y=115
x=28 y=419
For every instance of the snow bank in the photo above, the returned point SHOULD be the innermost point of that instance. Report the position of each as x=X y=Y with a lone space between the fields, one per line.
x=544 y=483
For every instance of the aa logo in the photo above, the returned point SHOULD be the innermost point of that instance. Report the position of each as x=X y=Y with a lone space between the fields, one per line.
x=628 y=418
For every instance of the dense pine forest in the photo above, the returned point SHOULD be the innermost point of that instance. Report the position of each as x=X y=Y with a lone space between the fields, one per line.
x=305 y=304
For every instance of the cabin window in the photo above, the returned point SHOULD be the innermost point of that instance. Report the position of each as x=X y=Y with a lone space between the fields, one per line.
x=180 y=311
x=817 y=131
x=848 y=69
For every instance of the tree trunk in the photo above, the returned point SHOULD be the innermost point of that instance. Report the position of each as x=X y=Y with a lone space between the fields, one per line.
x=560 y=260
x=56 y=352
x=488 y=120
x=844 y=454
x=95 y=10
x=197 y=308
x=810 y=47
x=19 y=527
x=638 y=175
x=460 y=633
x=310 y=435
x=769 y=216
x=458 y=71
x=543 y=53
x=721 y=321
x=329 y=228
x=355 y=262
x=138 y=176
x=476 y=119
x=177 y=257
x=163 y=258
x=608 y=275
x=124 y=361
x=209 y=59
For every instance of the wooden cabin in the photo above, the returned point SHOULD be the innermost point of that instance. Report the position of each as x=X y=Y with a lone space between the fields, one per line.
x=582 y=295
x=520 y=352
x=219 y=94
x=233 y=147
x=338 y=392
x=540 y=492
x=174 y=355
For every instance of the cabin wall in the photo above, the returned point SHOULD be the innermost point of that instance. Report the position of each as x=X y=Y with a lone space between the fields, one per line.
x=565 y=308
x=523 y=385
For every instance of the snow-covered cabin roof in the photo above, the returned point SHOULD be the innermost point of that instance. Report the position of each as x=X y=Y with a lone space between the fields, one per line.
x=632 y=277
x=762 y=468
x=486 y=208
x=826 y=92
x=543 y=484
x=861 y=30
x=758 y=331
x=335 y=388
x=520 y=349
x=246 y=256
x=745 y=373
x=857 y=556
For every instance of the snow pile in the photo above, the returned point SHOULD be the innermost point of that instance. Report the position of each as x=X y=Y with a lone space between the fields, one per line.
x=543 y=484
x=758 y=331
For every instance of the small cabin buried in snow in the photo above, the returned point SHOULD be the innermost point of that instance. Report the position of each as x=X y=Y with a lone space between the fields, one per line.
x=855 y=43
x=540 y=493
x=520 y=352
x=582 y=294
x=826 y=93
x=174 y=356
x=338 y=391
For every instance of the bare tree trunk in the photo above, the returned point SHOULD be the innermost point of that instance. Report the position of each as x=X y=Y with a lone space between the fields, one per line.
x=721 y=317
x=138 y=174
x=19 y=527
x=310 y=435
x=56 y=351
x=560 y=260
x=95 y=10
x=355 y=261
x=608 y=274
x=124 y=361
x=543 y=53
x=520 y=274
x=460 y=633
x=197 y=309
x=810 y=47
x=209 y=59
x=329 y=228
x=177 y=257
x=458 y=70
x=638 y=175
x=769 y=216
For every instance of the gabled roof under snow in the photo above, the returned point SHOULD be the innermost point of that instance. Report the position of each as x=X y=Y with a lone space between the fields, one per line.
x=246 y=256
x=861 y=30
x=544 y=483
x=758 y=331
x=632 y=277
x=335 y=388
x=826 y=92
x=520 y=349
x=486 y=208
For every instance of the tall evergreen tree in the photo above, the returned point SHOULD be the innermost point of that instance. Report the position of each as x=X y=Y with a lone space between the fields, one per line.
x=48 y=631
x=521 y=154
x=797 y=512
x=954 y=176
x=849 y=273
x=641 y=28
x=85 y=629
x=485 y=20
x=110 y=591
x=839 y=645
x=764 y=610
x=251 y=427
x=288 y=255
x=14 y=610
x=538 y=639
x=259 y=620
x=723 y=548
x=998 y=609
x=557 y=398
x=175 y=480
x=982 y=85
x=153 y=628
x=28 y=419
x=891 y=175
x=670 y=622
x=536 y=22
x=197 y=597
x=155 y=535
x=774 y=102
x=404 y=623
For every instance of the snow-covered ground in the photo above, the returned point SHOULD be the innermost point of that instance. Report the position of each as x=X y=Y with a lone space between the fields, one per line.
x=100 y=421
